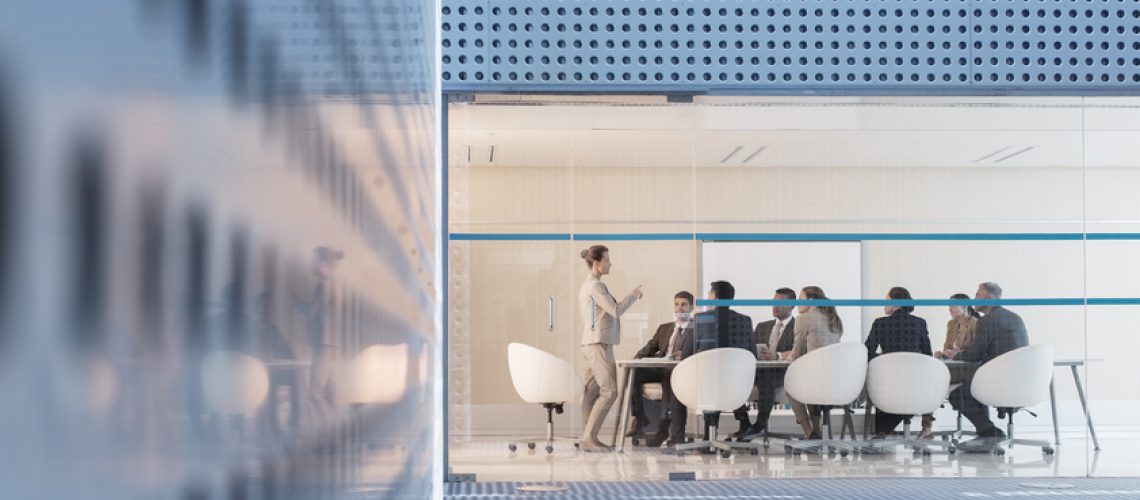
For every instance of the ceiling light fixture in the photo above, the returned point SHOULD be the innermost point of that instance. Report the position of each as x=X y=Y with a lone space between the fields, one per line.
x=754 y=153
x=991 y=154
x=1015 y=153
x=733 y=153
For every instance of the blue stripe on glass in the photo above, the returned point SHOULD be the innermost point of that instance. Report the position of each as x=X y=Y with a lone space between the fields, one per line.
x=792 y=236
x=633 y=236
x=509 y=236
x=1098 y=301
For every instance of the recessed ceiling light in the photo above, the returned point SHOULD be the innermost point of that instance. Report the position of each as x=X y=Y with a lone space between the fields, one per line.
x=730 y=155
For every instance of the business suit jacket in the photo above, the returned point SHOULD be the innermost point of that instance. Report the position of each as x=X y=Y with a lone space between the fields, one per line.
x=787 y=340
x=721 y=327
x=959 y=334
x=607 y=310
x=812 y=332
x=998 y=332
x=659 y=342
x=899 y=332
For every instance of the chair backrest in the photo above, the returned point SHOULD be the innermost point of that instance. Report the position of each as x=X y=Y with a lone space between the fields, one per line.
x=541 y=377
x=907 y=383
x=234 y=383
x=1016 y=379
x=832 y=375
x=714 y=380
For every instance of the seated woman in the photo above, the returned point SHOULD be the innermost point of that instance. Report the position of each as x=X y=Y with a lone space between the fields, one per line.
x=960 y=329
x=815 y=327
x=898 y=331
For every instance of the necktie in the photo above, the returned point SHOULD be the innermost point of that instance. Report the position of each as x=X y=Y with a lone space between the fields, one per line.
x=672 y=341
x=774 y=338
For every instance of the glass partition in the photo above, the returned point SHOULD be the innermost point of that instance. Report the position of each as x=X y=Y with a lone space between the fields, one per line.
x=855 y=195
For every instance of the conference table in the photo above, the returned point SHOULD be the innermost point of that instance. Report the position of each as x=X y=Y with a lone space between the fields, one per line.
x=627 y=372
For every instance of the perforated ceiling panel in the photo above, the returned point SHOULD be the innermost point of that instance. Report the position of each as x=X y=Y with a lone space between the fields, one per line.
x=774 y=46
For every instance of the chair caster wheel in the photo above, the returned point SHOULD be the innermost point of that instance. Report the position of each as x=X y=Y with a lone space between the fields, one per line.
x=577 y=445
x=787 y=449
x=725 y=454
x=951 y=450
x=530 y=445
x=1047 y=450
x=755 y=452
x=634 y=442
x=925 y=453
x=512 y=447
x=843 y=453
x=917 y=453
x=945 y=438
x=796 y=452
x=549 y=449
x=998 y=452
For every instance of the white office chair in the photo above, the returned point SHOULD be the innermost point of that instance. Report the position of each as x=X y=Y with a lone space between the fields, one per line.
x=234 y=383
x=234 y=387
x=908 y=383
x=1013 y=381
x=831 y=376
x=711 y=382
x=545 y=379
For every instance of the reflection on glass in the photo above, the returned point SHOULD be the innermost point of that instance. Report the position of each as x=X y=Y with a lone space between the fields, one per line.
x=202 y=225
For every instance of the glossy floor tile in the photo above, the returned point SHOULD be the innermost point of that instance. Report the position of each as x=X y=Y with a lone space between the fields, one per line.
x=490 y=460
x=817 y=489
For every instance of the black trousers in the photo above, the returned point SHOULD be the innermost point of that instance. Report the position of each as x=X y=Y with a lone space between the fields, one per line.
x=974 y=410
x=767 y=382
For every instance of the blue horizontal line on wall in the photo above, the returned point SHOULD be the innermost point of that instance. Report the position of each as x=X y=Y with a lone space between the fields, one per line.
x=508 y=236
x=791 y=236
x=1075 y=301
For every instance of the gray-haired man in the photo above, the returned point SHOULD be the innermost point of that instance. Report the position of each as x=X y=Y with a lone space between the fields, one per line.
x=999 y=331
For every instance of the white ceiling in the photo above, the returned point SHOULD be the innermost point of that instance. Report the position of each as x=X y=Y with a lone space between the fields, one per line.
x=629 y=131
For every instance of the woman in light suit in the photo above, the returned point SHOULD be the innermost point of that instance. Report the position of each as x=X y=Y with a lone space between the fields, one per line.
x=960 y=329
x=600 y=313
x=816 y=326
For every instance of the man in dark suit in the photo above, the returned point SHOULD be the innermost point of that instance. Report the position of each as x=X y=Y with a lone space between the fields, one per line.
x=999 y=331
x=665 y=343
x=777 y=335
x=720 y=327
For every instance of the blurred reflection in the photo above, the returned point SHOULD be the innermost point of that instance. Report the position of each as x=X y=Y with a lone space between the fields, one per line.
x=177 y=315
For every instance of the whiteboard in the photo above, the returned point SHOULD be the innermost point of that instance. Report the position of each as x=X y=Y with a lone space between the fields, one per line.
x=757 y=268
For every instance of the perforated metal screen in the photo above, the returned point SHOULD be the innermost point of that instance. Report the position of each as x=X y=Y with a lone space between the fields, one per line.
x=771 y=45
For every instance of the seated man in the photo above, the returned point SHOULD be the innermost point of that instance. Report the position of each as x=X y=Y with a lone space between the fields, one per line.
x=664 y=343
x=721 y=327
x=999 y=331
x=777 y=335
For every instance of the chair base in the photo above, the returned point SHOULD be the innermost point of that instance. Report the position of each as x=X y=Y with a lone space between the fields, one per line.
x=715 y=445
x=549 y=438
x=996 y=447
x=921 y=447
x=828 y=445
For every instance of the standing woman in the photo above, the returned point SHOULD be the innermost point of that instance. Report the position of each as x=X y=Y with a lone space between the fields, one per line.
x=960 y=329
x=816 y=326
x=600 y=313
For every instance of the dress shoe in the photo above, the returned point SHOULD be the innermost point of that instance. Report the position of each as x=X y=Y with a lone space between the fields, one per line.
x=992 y=432
x=635 y=427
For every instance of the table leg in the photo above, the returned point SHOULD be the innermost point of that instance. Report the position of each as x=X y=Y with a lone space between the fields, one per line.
x=1053 y=404
x=1085 y=407
x=624 y=392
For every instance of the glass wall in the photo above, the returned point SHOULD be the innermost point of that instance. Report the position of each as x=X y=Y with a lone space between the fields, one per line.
x=217 y=250
x=855 y=195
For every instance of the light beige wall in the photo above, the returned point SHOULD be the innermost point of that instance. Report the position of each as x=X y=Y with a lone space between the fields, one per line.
x=509 y=282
